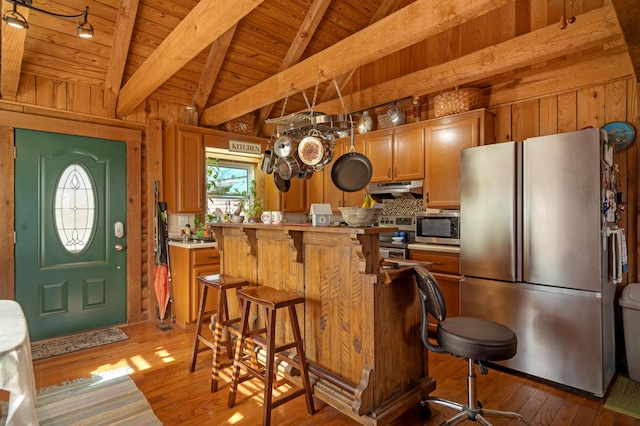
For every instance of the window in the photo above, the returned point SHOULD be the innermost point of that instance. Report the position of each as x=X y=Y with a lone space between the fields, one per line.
x=227 y=185
x=74 y=208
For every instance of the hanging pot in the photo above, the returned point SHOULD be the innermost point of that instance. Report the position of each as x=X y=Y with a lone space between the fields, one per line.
x=283 y=185
x=352 y=171
x=306 y=172
x=288 y=167
x=283 y=146
x=311 y=150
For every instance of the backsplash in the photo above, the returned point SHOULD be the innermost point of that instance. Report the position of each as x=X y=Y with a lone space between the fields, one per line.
x=402 y=206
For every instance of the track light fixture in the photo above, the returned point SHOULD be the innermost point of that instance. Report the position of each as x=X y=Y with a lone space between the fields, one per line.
x=16 y=20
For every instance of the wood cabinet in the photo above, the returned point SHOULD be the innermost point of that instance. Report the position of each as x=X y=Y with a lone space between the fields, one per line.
x=320 y=188
x=183 y=165
x=396 y=154
x=294 y=200
x=446 y=270
x=444 y=139
x=187 y=264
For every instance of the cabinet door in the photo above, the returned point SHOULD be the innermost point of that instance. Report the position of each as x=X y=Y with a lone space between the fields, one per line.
x=450 y=286
x=443 y=145
x=190 y=172
x=332 y=194
x=294 y=199
x=379 y=149
x=212 y=295
x=408 y=154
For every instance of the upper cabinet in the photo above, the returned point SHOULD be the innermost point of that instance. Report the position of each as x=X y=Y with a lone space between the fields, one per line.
x=396 y=154
x=183 y=162
x=445 y=138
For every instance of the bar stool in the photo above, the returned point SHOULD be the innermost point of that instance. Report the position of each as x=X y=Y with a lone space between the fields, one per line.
x=222 y=283
x=271 y=300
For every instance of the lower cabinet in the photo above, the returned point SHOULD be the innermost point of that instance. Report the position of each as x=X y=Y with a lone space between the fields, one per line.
x=187 y=264
x=446 y=270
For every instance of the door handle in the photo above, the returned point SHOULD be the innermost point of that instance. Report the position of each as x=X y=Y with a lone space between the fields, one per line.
x=119 y=247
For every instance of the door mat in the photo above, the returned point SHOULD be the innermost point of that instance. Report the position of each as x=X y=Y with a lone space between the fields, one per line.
x=76 y=342
x=625 y=397
x=104 y=399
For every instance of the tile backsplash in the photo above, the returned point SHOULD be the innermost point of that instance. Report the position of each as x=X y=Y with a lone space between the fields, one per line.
x=402 y=206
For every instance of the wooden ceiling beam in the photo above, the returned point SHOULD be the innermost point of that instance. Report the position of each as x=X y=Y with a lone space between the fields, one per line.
x=121 y=43
x=582 y=72
x=206 y=22
x=409 y=25
x=297 y=48
x=216 y=56
x=594 y=28
x=386 y=8
x=628 y=12
x=12 y=53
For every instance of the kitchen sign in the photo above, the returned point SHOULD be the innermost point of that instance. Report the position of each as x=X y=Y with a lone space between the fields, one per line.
x=245 y=147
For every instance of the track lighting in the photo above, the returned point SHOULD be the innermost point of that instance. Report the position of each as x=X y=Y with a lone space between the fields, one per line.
x=15 y=19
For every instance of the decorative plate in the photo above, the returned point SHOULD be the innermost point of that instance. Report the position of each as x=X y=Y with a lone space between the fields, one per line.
x=621 y=134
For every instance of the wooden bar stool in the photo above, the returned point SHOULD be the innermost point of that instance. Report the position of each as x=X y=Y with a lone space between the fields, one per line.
x=222 y=283
x=271 y=300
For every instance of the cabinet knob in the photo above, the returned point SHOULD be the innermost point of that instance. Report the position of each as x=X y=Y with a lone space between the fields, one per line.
x=389 y=172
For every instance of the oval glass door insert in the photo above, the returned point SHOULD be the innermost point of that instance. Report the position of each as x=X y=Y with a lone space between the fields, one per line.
x=74 y=208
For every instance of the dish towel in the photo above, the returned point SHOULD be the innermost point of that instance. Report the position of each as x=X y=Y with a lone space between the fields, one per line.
x=619 y=260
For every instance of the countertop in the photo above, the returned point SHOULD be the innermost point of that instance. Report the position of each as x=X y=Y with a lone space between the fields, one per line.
x=307 y=227
x=442 y=248
x=193 y=244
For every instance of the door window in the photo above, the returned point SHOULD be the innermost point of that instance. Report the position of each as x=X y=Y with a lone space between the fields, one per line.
x=74 y=205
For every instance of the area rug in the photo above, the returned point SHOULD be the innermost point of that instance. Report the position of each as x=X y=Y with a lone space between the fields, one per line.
x=76 y=342
x=110 y=398
x=625 y=397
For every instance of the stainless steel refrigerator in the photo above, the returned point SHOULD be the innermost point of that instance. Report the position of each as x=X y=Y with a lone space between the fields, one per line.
x=535 y=254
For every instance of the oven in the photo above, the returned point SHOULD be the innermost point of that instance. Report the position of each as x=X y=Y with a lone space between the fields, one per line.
x=394 y=244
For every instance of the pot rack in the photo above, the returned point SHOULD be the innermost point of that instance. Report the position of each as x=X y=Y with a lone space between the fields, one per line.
x=297 y=126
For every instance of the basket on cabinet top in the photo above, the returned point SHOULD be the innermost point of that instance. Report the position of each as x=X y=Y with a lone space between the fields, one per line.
x=243 y=124
x=458 y=100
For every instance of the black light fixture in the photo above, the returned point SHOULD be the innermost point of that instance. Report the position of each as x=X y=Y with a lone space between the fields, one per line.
x=16 y=20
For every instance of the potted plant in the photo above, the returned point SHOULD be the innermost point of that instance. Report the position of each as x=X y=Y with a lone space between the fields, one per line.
x=254 y=206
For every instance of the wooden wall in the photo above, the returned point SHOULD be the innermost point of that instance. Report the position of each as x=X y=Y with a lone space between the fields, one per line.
x=515 y=120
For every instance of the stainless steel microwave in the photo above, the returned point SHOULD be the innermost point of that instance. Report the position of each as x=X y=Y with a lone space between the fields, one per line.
x=438 y=228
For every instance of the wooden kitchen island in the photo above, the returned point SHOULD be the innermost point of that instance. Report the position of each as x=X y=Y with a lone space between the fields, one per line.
x=361 y=325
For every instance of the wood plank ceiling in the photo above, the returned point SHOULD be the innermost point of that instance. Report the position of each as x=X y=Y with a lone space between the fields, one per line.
x=231 y=57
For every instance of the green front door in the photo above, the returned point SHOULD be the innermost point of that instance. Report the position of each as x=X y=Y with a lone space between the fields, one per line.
x=70 y=251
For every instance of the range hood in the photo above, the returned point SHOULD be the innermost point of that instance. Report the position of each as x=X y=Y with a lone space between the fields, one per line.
x=406 y=189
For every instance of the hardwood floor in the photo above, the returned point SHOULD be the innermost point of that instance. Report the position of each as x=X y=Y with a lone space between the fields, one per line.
x=159 y=364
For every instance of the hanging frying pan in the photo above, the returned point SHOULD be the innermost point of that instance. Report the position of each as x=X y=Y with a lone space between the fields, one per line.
x=283 y=185
x=352 y=171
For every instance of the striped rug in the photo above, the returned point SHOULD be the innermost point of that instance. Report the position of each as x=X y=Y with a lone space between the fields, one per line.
x=111 y=398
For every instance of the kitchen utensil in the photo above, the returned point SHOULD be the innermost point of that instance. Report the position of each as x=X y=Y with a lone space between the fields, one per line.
x=311 y=148
x=283 y=146
x=352 y=171
x=563 y=17
x=288 y=167
x=306 y=172
x=267 y=161
x=282 y=184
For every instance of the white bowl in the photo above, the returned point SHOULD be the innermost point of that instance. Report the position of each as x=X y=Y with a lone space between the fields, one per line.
x=237 y=218
x=359 y=216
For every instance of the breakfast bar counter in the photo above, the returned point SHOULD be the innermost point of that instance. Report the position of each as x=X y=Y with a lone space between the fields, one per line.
x=360 y=323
